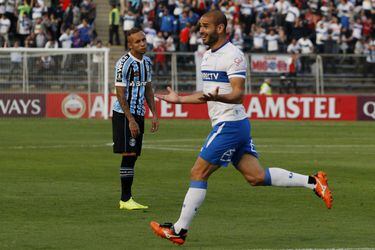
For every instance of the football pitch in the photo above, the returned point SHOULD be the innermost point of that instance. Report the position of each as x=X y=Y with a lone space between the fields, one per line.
x=59 y=187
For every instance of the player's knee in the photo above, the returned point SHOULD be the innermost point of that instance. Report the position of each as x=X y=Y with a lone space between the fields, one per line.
x=198 y=174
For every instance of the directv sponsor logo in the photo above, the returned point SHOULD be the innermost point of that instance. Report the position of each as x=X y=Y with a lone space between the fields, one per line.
x=210 y=76
x=218 y=76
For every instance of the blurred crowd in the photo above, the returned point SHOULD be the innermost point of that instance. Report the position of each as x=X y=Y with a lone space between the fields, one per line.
x=47 y=23
x=269 y=26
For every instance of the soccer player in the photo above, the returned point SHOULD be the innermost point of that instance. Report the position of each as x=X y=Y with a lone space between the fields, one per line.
x=224 y=71
x=133 y=85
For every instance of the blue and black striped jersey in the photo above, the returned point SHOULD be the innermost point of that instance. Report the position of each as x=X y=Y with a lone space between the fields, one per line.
x=133 y=74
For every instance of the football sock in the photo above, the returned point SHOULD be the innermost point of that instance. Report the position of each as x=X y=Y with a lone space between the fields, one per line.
x=282 y=178
x=193 y=200
x=127 y=175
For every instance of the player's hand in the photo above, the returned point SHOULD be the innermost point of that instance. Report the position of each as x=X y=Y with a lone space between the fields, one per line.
x=172 y=96
x=154 y=124
x=134 y=128
x=210 y=96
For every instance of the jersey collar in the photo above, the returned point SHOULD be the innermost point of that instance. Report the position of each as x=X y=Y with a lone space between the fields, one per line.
x=134 y=58
x=213 y=51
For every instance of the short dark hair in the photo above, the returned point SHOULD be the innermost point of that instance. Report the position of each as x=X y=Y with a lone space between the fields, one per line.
x=218 y=17
x=133 y=31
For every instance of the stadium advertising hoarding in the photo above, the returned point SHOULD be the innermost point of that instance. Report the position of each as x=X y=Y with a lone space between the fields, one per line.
x=301 y=107
x=270 y=63
x=22 y=105
x=276 y=107
x=366 y=108
x=74 y=105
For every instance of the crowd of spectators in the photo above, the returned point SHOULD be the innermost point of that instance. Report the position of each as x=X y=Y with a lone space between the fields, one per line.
x=268 y=26
x=42 y=24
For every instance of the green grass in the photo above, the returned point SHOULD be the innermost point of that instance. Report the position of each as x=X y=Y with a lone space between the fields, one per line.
x=59 y=187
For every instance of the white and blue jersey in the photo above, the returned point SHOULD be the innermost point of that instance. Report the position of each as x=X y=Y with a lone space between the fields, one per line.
x=217 y=68
x=230 y=137
x=133 y=74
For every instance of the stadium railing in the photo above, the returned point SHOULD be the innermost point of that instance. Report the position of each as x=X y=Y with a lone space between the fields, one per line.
x=315 y=74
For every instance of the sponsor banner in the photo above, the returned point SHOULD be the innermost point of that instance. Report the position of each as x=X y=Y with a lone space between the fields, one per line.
x=22 y=105
x=366 y=108
x=74 y=106
x=301 y=107
x=276 y=107
x=270 y=63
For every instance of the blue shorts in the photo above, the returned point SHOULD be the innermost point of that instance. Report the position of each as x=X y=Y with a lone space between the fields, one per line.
x=227 y=142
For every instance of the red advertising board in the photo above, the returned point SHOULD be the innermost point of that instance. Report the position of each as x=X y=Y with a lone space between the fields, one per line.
x=72 y=105
x=366 y=108
x=301 y=107
x=22 y=105
x=276 y=107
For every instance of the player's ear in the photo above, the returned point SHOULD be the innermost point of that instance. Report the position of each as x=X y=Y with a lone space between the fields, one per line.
x=220 y=28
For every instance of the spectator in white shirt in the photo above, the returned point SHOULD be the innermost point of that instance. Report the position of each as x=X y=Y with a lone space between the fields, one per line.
x=16 y=61
x=306 y=45
x=370 y=58
x=159 y=40
x=24 y=26
x=258 y=39
x=282 y=7
x=4 y=30
x=129 y=23
x=357 y=29
x=291 y=17
x=307 y=48
x=169 y=44
x=2 y=7
x=66 y=43
x=345 y=11
x=246 y=13
x=47 y=62
x=272 y=41
x=150 y=35
x=293 y=47
x=321 y=31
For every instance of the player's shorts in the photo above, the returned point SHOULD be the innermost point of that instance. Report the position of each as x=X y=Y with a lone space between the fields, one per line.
x=123 y=142
x=228 y=142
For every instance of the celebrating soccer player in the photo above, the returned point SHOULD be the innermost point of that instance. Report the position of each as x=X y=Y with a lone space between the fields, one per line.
x=133 y=85
x=224 y=72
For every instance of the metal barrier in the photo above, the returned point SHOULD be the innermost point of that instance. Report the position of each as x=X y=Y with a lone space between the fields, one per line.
x=86 y=70
x=315 y=74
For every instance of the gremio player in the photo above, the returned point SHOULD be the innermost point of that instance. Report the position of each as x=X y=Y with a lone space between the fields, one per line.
x=224 y=71
x=133 y=86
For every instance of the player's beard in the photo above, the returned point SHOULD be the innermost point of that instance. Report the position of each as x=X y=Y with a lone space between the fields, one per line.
x=212 y=39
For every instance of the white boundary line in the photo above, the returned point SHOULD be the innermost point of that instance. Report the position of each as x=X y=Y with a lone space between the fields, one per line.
x=155 y=145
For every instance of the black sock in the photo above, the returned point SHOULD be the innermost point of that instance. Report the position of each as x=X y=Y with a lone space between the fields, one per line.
x=127 y=175
x=311 y=180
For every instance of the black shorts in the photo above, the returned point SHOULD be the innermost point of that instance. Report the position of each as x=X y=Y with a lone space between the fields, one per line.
x=123 y=142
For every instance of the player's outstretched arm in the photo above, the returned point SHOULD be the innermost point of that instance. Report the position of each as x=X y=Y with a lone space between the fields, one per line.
x=235 y=96
x=173 y=97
